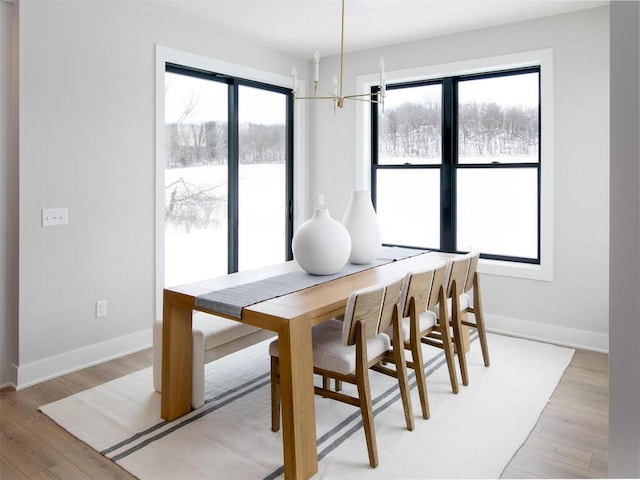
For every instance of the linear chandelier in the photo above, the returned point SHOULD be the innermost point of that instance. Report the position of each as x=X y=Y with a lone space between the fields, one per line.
x=337 y=95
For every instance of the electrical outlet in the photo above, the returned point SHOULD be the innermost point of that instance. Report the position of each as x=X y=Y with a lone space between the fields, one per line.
x=55 y=216
x=101 y=308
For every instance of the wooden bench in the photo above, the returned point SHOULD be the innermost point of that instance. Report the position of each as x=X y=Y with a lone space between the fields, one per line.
x=213 y=338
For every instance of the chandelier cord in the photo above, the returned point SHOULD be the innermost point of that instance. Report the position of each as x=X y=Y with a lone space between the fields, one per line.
x=341 y=50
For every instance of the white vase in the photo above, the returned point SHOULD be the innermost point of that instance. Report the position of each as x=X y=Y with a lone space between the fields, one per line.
x=321 y=245
x=361 y=222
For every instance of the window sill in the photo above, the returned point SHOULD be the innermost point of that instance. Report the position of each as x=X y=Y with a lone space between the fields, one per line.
x=518 y=270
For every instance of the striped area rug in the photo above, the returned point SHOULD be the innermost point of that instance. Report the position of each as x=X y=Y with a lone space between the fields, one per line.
x=470 y=435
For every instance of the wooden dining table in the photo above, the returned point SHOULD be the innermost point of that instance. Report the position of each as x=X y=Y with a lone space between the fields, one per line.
x=291 y=316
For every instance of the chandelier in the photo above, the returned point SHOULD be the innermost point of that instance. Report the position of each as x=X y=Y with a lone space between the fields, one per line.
x=337 y=95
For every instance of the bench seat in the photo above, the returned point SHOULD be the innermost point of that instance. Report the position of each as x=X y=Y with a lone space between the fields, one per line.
x=213 y=338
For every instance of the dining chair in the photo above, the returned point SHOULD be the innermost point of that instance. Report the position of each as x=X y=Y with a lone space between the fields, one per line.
x=346 y=350
x=422 y=291
x=470 y=301
x=464 y=297
x=456 y=277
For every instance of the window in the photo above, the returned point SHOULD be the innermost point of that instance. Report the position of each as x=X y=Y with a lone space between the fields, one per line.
x=455 y=163
x=228 y=179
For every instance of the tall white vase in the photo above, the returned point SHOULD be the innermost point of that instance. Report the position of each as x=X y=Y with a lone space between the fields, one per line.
x=361 y=222
x=321 y=245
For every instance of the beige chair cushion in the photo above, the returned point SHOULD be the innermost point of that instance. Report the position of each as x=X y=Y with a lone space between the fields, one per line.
x=425 y=320
x=330 y=352
x=465 y=302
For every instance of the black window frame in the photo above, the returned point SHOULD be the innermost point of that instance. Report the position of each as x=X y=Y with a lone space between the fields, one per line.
x=233 y=155
x=449 y=163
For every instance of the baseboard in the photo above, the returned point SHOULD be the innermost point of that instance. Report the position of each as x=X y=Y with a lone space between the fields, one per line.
x=570 y=337
x=26 y=375
x=36 y=372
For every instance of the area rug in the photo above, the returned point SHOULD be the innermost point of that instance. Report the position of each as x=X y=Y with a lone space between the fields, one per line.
x=472 y=434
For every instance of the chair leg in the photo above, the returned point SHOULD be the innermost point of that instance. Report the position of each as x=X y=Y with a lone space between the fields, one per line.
x=401 y=372
x=418 y=367
x=462 y=356
x=416 y=356
x=275 y=394
x=483 y=339
x=456 y=323
x=327 y=386
x=364 y=394
x=448 y=353
x=477 y=312
x=366 y=408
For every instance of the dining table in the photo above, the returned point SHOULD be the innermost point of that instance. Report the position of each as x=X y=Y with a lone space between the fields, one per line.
x=291 y=315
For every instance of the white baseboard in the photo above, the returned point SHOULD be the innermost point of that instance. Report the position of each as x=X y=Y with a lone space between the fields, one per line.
x=26 y=375
x=570 y=337
x=36 y=372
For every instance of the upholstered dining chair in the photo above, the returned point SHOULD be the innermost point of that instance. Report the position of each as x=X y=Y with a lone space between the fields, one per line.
x=346 y=350
x=422 y=292
x=464 y=297
x=457 y=270
x=469 y=300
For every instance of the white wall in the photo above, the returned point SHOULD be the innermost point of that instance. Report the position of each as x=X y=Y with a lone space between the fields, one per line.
x=573 y=307
x=87 y=142
x=8 y=190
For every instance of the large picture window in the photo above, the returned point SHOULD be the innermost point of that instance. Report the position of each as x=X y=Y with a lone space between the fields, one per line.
x=456 y=164
x=228 y=174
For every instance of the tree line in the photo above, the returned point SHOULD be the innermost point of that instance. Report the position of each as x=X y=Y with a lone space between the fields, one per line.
x=206 y=143
x=484 y=129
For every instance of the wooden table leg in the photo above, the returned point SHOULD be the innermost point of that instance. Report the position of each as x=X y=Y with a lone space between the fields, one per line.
x=177 y=357
x=297 y=396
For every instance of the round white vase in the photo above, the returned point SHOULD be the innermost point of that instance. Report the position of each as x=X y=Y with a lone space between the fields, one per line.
x=321 y=245
x=361 y=222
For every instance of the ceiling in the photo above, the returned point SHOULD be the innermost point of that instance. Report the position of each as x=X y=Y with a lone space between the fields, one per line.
x=300 y=27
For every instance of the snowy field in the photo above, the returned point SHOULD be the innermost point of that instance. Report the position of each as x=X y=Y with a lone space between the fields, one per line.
x=202 y=252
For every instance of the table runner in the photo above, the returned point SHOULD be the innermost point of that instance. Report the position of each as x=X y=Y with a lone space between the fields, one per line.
x=230 y=301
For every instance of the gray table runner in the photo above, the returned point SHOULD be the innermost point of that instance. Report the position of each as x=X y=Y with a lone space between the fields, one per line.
x=230 y=301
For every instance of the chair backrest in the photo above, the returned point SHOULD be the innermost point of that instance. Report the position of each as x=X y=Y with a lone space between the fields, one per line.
x=458 y=270
x=391 y=299
x=437 y=284
x=363 y=305
x=473 y=266
x=417 y=286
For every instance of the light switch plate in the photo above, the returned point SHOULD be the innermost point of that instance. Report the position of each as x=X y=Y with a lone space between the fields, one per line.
x=55 y=216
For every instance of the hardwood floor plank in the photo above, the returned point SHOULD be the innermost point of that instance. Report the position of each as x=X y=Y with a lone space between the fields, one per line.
x=513 y=472
x=25 y=450
x=8 y=471
x=575 y=438
x=64 y=471
x=24 y=404
x=591 y=361
x=85 y=458
x=599 y=465
x=559 y=452
x=560 y=417
x=547 y=468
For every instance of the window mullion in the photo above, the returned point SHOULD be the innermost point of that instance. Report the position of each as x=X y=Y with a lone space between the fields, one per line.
x=289 y=169
x=374 y=148
x=447 y=175
x=233 y=166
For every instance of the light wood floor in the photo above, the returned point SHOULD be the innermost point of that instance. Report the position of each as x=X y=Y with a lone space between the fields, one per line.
x=569 y=441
